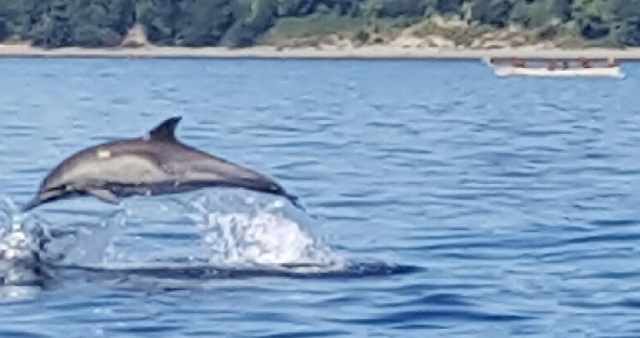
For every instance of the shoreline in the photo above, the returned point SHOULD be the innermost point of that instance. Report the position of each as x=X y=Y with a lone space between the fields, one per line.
x=367 y=52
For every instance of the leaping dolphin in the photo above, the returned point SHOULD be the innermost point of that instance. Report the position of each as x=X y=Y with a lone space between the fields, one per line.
x=154 y=164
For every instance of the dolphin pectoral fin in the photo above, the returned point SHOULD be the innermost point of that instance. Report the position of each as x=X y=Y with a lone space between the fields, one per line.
x=104 y=195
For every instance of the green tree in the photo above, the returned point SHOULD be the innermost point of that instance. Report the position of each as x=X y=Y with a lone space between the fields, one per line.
x=97 y=23
x=449 y=6
x=492 y=12
x=19 y=16
x=203 y=22
x=159 y=19
x=252 y=20
x=538 y=13
x=57 y=23
x=592 y=18
x=625 y=21
x=53 y=27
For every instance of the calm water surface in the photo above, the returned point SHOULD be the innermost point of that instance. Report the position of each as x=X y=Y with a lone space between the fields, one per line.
x=464 y=205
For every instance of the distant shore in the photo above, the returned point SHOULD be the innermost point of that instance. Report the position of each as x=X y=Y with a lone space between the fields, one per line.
x=269 y=52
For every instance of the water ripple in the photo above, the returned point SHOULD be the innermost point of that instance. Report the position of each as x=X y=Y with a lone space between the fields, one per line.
x=466 y=205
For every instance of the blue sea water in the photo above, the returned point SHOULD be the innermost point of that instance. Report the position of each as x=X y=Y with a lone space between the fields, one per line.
x=441 y=201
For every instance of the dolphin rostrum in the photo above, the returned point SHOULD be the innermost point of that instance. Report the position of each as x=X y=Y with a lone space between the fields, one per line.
x=154 y=164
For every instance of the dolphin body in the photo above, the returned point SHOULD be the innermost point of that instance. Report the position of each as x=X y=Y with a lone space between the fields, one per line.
x=154 y=164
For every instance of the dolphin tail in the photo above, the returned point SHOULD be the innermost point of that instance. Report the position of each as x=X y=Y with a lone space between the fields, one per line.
x=265 y=185
x=295 y=201
x=276 y=189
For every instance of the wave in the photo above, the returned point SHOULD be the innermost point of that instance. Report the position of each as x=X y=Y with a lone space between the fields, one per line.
x=243 y=237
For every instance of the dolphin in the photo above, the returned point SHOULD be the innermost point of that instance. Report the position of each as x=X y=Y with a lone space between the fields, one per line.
x=154 y=164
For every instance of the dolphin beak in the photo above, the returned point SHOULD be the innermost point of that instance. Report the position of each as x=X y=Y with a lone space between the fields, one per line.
x=41 y=198
x=34 y=202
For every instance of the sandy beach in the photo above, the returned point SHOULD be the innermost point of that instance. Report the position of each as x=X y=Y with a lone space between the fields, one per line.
x=367 y=52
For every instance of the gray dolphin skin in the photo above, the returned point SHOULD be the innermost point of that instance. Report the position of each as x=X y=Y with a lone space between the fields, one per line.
x=154 y=164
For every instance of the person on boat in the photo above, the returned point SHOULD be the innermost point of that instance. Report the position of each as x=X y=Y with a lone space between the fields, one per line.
x=551 y=65
x=584 y=63
x=517 y=63
x=565 y=64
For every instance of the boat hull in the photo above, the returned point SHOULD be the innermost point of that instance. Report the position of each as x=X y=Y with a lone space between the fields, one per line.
x=614 y=72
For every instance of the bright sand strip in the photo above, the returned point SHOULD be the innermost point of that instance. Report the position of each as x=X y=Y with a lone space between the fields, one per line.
x=367 y=52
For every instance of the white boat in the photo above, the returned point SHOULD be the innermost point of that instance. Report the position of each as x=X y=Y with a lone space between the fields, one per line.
x=508 y=70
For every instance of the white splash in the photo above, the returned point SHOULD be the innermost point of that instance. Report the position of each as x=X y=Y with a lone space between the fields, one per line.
x=20 y=242
x=261 y=235
x=93 y=243
x=28 y=248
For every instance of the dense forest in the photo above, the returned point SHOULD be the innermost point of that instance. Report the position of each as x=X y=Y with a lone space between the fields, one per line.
x=238 y=23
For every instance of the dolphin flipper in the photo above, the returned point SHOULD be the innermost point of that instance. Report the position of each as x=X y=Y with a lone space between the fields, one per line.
x=104 y=195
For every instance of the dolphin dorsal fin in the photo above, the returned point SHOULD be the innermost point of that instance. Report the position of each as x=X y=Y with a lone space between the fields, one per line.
x=165 y=131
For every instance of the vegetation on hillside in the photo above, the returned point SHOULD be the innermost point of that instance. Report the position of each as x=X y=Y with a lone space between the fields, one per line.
x=239 y=23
